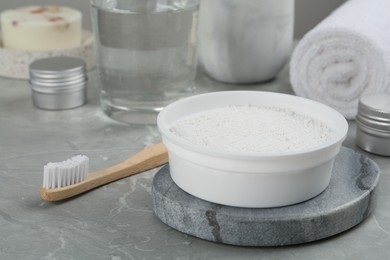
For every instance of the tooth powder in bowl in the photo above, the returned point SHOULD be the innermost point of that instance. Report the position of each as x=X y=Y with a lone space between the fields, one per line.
x=251 y=148
x=257 y=129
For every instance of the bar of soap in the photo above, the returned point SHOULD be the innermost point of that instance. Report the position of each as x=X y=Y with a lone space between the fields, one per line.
x=41 y=28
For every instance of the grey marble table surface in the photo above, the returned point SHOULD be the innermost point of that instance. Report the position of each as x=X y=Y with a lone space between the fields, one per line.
x=117 y=221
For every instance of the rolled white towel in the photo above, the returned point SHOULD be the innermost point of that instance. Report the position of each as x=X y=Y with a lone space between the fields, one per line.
x=345 y=56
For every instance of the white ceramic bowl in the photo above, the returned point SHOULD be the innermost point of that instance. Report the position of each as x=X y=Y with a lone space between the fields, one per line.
x=251 y=180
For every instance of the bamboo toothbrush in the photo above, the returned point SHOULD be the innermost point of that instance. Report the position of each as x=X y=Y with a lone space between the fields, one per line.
x=69 y=178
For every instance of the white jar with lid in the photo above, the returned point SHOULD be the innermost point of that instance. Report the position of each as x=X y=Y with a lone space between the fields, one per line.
x=245 y=41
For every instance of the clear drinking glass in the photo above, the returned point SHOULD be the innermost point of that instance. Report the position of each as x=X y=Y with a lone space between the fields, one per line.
x=146 y=55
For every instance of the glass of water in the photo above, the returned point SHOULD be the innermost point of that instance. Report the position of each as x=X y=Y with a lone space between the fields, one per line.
x=146 y=55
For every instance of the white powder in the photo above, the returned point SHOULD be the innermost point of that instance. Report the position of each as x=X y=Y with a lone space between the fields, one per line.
x=252 y=129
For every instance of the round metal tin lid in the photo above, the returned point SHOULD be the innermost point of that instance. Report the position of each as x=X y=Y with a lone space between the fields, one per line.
x=58 y=82
x=374 y=113
x=57 y=67
x=375 y=106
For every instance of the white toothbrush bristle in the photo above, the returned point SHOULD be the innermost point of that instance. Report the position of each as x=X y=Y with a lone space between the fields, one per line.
x=65 y=173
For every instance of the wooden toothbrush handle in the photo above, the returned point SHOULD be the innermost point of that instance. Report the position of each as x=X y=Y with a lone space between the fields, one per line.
x=149 y=158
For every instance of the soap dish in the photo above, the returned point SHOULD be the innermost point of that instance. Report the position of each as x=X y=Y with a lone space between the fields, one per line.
x=348 y=200
x=15 y=63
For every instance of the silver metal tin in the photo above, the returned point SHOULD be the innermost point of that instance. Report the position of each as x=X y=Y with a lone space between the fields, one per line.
x=58 y=83
x=373 y=124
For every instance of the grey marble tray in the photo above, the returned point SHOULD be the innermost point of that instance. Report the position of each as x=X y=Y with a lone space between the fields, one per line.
x=348 y=200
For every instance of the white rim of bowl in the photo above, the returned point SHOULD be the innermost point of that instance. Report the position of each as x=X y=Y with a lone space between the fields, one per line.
x=164 y=128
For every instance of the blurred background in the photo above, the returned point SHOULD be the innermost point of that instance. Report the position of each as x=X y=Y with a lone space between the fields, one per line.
x=307 y=12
